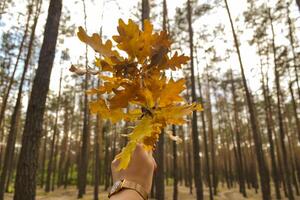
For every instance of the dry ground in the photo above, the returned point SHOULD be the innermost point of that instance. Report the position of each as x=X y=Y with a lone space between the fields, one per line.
x=70 y=194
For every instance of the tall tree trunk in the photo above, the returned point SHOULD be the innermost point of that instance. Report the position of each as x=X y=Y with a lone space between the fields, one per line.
x=190 y=168
x=211 y=136
x=14 y=122
x=82 y=178
x=54 y=174
x=280 y=117
x=159 y=154
x=44 y=156
x=64 y=144
x=98 y=133
x=20 y=50
x=175 y=167
x=238 y=137
x=207 y=165
x=25 y=183
x=291 y=38
x=263 y=170
x=53 y=142
x=145 y=11
x=196 y=145
x=297 y=121
x=268 y=114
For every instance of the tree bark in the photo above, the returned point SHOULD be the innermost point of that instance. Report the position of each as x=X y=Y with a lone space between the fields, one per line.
x=145 y=11
x=268 y=115
x=291 y=38
x=279 y=115
x=53 y=142
x=98 y=133
x=196 y=146
x=207 y=165
x=20 y=50
x=175 y=166
x=14 y=123
x=263 y=170
x=211 y=137
x=25 y=183
x=82 y=178
x=297 y=121
x=238 y=138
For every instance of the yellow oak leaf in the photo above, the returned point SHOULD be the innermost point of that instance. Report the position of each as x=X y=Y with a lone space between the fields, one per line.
x=171 y=92
x=96 y=43
x=175 y=114
x=176 y=61
x=99 y=107
x=143 y=128
x=128 y=38
x=125 y=155
x=123 y=97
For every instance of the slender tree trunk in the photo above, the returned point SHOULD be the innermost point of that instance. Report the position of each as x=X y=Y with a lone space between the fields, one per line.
x=207 y=165
x=25 y=183
x=190 y=169
x=53 y=142
x=280 y=117
x=159 y=179
x=54 y=173
x=212 y=137
x=175 y=167
x=82 y=178
x=238 y=138
x=20 y=50
x=44 y=158
x=268 y=114
x=14 y=123
x=297 y=121
x=196 y=145
x=291 y=38
x=98 y=133
x=263 y=170
x=145 y=11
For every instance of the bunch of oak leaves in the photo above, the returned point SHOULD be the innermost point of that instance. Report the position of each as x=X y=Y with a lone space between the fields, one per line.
x=135 y=88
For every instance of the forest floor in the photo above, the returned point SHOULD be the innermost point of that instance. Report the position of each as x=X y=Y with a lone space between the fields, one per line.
x=71 y=194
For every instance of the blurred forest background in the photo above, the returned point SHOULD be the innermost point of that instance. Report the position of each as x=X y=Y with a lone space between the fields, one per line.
x=245 y=70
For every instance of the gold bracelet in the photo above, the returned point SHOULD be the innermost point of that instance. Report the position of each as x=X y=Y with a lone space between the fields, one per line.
x=125 y=184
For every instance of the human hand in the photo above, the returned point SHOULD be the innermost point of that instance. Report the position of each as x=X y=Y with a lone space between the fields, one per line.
x=140 y=169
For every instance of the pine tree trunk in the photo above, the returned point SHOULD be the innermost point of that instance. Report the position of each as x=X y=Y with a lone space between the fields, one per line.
x=175 y=167
x=20 y=50
x=291 y=38
x=98 y=133
x=268 y=114
x=14 y=122
x=238 y=138
x=196 y=145
x=207 y=165
x=82 y=178
x=263 y=170
x=145 y=11
x=52 y=155
x=212 y=137
x=63 y=148
x=297 y=121
x=280 y=117
x=44 y=155
x=25 y=183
